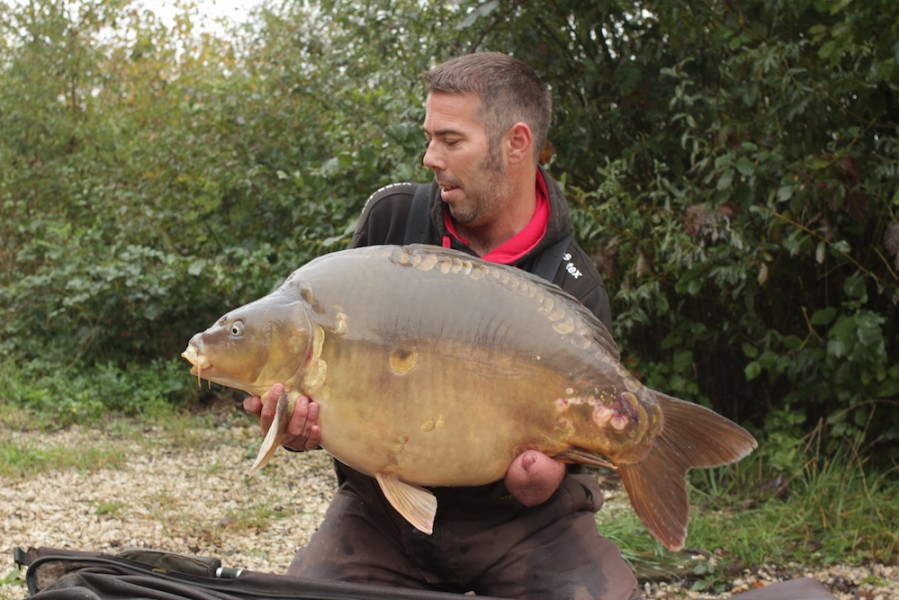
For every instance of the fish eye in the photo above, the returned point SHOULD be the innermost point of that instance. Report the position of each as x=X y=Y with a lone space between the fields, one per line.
x=237 y=328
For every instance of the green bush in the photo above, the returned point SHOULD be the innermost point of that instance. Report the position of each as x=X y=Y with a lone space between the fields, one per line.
x=63 y=396
x=750 y=232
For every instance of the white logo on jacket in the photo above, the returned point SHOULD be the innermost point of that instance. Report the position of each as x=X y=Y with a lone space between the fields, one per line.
x=572 y=270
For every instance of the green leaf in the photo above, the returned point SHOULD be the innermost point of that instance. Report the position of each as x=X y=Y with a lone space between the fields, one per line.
x=784 y=193
x=792 y=342
x=197 y=267
x=827 y=49
x=823 y=316
x=752 y=370
x=837 y=348
x=745 y=166
x=726 y=180
x=854 y=287
x=330 y=166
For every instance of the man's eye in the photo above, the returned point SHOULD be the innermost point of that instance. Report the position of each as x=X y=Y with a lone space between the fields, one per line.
x=444 y=141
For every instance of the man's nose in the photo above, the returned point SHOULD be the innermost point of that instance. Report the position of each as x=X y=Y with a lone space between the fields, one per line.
x=431 y=159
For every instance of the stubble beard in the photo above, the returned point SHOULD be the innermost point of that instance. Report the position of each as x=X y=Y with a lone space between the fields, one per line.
x=492 y=190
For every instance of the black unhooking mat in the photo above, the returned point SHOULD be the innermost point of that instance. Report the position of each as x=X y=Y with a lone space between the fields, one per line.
x=55 y=574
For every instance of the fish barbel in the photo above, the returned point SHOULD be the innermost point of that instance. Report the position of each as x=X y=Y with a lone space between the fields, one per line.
x=435 y=368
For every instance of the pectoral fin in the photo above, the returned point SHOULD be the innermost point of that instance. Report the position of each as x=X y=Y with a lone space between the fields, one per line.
x=584 y=457
x=273 y=438
x=417 y=505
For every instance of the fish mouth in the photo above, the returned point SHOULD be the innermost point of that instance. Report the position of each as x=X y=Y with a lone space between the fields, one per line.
x=204 y=369
x=199 y=362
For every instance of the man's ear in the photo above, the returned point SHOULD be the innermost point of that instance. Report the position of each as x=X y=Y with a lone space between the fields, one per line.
x=519 y=142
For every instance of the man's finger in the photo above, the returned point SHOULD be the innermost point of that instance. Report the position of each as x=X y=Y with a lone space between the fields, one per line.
x=252 y=404
x=312 y=412
x=275 y=393
x=299 y=418
x=314 y=439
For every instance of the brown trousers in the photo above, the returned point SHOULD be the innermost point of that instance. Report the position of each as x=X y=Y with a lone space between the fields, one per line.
x=483 y=542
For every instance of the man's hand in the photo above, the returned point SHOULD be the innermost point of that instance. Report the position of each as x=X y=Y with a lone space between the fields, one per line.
x=533 y=477
x=302 y=433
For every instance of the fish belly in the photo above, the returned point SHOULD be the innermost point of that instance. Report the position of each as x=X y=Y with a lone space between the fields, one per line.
x=451 y=421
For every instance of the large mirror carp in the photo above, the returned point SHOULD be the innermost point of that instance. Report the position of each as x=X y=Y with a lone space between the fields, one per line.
x=435 y=368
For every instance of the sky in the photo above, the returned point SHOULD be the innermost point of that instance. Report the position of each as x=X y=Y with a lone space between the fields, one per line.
x=207 y=10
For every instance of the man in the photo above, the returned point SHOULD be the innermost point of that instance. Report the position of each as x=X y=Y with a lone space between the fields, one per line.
x=532 y=535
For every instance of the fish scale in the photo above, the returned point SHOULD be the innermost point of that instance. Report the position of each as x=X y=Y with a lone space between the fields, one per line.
x=435 y=368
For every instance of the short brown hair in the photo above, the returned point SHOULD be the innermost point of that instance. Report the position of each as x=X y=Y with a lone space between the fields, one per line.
x=510 y=91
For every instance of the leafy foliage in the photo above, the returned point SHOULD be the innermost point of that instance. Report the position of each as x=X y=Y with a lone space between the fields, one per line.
x=62 y=396
x=731 y=167
x=739 y=196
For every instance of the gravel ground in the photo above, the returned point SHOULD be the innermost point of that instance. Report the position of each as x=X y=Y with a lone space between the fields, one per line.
x=187 y=492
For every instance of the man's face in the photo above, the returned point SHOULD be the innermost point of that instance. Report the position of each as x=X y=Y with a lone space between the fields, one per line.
x=468 y=169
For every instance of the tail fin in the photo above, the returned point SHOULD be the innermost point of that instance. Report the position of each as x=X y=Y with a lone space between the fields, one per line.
x=692 y=436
